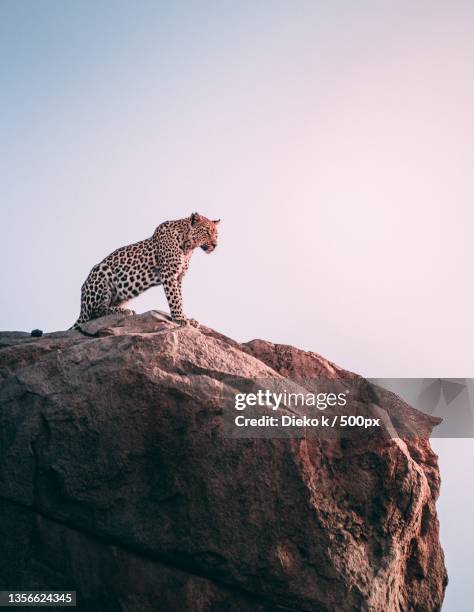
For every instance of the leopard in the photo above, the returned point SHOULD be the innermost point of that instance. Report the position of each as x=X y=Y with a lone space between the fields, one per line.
x=162 y=259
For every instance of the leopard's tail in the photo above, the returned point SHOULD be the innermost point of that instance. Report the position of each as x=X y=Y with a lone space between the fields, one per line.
x=83 y=318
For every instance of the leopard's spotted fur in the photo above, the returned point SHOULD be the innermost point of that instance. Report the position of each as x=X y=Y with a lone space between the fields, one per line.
x=162 y=259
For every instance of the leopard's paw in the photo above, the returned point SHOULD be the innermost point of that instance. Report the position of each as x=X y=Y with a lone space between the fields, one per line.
x=180 y=321
x=183 y=321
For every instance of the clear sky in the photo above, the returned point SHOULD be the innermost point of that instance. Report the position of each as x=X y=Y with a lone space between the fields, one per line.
x=335 y=140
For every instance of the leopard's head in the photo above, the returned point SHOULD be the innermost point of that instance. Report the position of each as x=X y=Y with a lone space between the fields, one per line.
x=204 y=232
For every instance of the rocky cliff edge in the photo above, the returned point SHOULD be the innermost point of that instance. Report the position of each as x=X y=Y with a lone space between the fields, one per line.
x=116 y=480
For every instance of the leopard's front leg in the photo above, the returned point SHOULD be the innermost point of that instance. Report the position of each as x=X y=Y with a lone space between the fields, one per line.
x=173 y=292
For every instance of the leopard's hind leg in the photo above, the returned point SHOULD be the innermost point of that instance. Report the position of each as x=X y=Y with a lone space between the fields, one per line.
x=96 y=297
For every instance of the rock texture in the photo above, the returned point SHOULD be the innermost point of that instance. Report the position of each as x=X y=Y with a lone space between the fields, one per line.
x=116 y=481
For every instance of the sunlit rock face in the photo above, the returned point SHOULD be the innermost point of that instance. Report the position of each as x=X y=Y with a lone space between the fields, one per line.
x=117 y=481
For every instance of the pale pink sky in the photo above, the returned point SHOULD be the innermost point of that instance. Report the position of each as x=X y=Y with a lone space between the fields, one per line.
x=336 y=145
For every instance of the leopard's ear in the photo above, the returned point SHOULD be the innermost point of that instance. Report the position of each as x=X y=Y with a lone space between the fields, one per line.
x=195 y=218
x=216 y=221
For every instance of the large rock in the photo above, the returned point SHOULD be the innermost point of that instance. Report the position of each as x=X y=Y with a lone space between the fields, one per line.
x=117 y=481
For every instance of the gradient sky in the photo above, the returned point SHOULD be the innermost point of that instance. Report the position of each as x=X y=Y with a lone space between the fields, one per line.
x=334 y=139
